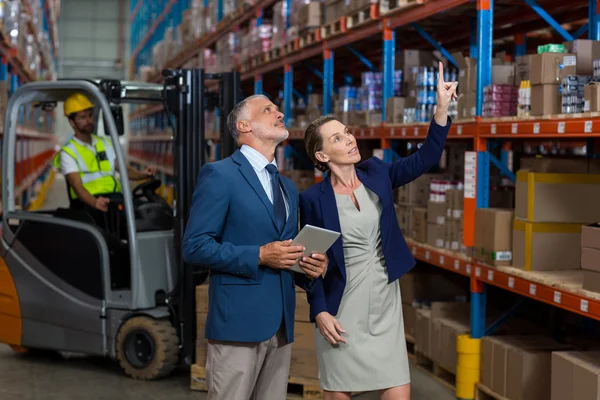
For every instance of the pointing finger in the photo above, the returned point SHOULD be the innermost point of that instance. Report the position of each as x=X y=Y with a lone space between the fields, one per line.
x=440 y=72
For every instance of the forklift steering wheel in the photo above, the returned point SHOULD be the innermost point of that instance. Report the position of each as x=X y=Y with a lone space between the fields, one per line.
x=147 y=188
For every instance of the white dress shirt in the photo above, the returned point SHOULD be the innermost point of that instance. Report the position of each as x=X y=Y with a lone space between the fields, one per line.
x=259 y=164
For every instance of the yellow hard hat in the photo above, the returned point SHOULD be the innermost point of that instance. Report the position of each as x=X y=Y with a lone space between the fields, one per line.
x=77 y=102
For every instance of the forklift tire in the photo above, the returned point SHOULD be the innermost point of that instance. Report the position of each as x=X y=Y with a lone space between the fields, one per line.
x=147 y=348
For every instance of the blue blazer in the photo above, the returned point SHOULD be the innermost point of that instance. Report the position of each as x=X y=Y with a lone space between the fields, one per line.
x=318 y=207
x=230 y=218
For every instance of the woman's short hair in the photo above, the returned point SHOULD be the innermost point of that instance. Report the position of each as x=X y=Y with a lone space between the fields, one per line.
x=313 y=141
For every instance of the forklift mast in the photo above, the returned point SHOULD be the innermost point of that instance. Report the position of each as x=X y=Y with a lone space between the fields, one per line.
x=186 y=97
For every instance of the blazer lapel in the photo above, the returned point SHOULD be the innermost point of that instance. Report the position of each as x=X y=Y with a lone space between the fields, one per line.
x=292 y=203
x=364 y=177
x=331 y=220
x=250 y=175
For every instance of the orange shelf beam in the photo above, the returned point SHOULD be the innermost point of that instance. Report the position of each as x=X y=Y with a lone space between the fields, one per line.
x=457 y=263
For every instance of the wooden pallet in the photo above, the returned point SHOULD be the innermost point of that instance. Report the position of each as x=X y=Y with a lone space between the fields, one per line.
x=362 y=16
x=304 y=388
x=388 y=6
x=334 y=28
x=309 y=37
x=298 y=388
x=433 y=369
x=484 y=393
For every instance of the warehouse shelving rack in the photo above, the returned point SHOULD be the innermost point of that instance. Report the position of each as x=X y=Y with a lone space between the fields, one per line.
x=36 y=142
x=418 y=23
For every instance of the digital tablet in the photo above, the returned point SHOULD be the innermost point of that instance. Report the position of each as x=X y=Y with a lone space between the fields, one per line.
x=314 y=239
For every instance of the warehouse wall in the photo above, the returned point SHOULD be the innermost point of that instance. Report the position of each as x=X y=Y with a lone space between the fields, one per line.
x=88 y=32
x=89 y=45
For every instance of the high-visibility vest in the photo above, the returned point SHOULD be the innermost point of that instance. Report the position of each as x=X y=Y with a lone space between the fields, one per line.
x=97 y=175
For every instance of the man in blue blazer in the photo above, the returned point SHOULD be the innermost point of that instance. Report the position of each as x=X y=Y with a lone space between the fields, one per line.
x=243 y=217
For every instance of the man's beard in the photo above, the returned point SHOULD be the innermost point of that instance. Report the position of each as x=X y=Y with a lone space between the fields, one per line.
x=265 y=131
x=87 y=129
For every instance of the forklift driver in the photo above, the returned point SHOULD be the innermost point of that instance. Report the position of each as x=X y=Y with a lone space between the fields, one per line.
x=88 y=161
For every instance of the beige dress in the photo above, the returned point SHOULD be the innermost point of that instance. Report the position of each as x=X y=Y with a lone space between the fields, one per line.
x=374 y=356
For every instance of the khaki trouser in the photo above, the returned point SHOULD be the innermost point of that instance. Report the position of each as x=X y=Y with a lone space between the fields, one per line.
x=248 y=371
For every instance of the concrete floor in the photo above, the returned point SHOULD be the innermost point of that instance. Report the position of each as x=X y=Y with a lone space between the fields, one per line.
x=53 y=377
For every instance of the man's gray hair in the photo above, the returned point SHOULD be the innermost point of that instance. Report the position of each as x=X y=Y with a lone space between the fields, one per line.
x=239 y=113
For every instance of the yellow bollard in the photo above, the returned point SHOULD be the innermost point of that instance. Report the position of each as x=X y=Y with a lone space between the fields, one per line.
x=468 y=366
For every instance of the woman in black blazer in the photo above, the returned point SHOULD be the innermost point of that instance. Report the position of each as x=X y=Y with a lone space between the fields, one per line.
x=357 y=306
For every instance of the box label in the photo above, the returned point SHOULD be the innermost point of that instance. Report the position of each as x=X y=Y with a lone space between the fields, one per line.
x=570 y=61
x=502 y=255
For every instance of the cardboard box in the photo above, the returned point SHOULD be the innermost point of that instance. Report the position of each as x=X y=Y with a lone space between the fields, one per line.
x=545 y=99
x=302 y=307
x=201 y=342
x=425 y=287
x=575 y=375
x=496 y=359
x=310 y=15
x=454 y=204
x=409 y=316
x=423 y=332
x=586 y=51
x=467 y=73
x=395 y=107
x=522 y=68
x=467 y=105
x=202 y=298
x=527 y=372
x=436 y=235
x=546 y=67
x=304 y=336
x=450 y=329
x=591 y=96
x=493 y=236
x=445 y=317
x=419 y=224
x=539 y=246
x=590 y=247
x=503 y=74
x=553 y=197
x=415 y=193
x=304 y=364
x=591 y=281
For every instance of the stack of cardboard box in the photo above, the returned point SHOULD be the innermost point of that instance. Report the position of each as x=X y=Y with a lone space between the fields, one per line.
x=436 y=331
x=454 y=219
x=551 y=208
x=398 y=109
x=518 y=367
x=503 y=73
x=411 y=197
x=575 y=375
x=201 y=314
x=335 y=9
x=590 y=257
x=304 y=358
x=304 y=362
x=309 y=16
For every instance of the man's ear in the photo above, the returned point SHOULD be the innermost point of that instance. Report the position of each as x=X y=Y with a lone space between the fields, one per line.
x=322 y=157
x=243 y=126
x=72 y=123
